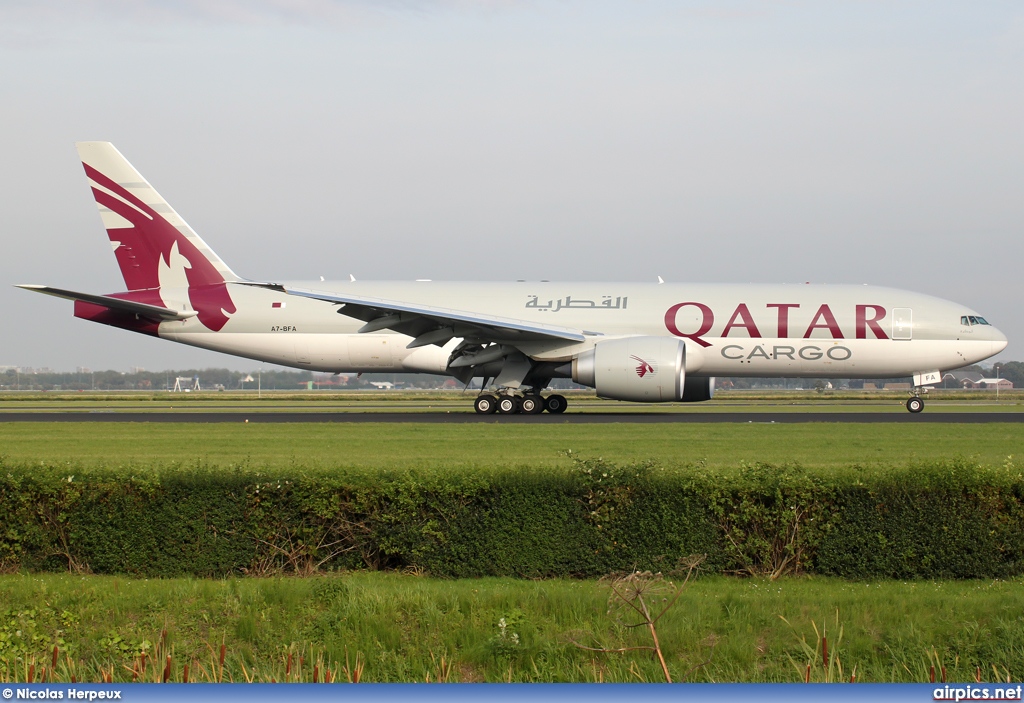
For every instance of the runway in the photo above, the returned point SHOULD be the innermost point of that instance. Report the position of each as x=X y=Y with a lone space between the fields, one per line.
x=570 y=418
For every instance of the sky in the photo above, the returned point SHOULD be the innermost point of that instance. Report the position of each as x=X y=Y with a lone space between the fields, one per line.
x=839 y=142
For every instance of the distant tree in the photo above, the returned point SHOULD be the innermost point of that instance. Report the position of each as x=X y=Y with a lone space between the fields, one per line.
x=1012 y=371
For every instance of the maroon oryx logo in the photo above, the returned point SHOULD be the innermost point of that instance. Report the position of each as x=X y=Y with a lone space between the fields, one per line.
x=643 y=368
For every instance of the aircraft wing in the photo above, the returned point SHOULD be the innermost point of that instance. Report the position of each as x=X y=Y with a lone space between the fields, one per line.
x=154 y=312
x=432 y=325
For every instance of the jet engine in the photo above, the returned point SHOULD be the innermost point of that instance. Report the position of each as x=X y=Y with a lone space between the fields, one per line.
x=641 y=369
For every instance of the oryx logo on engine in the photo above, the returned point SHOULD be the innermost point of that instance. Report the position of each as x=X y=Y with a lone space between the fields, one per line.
x=643 y=368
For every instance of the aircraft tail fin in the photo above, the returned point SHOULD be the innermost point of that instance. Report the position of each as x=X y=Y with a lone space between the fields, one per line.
x=154 y=246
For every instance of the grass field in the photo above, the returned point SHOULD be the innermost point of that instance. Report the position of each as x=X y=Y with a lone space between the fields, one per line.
x=410 y=628
x=400 y=627
x=488 y=445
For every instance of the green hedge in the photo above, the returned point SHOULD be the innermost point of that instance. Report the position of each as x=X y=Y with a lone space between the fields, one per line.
x=941 y=520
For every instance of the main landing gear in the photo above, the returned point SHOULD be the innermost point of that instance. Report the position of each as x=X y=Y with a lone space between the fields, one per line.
x=527 y=404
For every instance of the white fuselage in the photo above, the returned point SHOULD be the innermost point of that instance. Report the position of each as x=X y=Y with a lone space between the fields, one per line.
x=730 y=330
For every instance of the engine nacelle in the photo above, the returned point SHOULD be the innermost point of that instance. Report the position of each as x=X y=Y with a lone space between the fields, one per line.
x=641 y=369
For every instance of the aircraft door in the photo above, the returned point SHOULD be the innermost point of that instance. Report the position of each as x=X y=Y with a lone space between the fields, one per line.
x=902 y=323
x=371 y=350
x=301 y=349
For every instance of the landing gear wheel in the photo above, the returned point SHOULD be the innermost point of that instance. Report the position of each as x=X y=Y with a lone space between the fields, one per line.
x=532 y=405
x=485 y=404
x=555 y=404
x=915 y=405
x=508 y=405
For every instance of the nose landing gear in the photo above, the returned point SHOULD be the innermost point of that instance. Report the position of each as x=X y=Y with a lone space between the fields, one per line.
x=915 y=404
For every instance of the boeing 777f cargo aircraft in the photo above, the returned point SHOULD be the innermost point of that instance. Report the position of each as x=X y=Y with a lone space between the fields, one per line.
x=629 y=341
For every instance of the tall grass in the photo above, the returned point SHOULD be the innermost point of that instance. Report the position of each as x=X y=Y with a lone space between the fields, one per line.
x=393 y=627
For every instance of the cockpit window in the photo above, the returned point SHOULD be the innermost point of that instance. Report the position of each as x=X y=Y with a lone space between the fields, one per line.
x=969 y=320
x=982 y=321
x=964 y=322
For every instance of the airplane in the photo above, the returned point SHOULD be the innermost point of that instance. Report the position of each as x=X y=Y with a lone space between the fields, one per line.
x=642 y=342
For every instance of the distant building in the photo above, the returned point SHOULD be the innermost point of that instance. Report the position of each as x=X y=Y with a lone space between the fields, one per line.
x=186 y=384
x=991 y=384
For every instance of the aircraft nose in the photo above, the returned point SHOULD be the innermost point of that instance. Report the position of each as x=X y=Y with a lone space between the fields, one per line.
x=999 y=341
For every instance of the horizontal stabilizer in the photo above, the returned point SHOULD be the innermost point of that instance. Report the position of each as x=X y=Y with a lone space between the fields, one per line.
x=154 y=312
